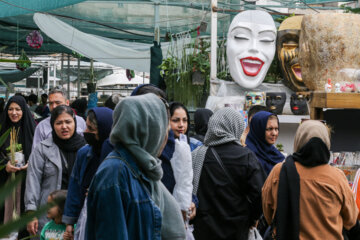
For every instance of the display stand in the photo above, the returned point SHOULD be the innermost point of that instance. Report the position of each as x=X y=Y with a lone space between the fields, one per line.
x=321 y=100
x=342 y=116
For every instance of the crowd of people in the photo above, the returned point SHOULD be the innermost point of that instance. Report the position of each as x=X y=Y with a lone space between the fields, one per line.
x=132 y=170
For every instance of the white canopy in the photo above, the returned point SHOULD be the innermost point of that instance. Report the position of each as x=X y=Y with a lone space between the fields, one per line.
x=130 y=55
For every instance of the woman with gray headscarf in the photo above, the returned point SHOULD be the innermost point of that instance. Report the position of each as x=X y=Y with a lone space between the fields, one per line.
x=126 y=198
x=227 y=180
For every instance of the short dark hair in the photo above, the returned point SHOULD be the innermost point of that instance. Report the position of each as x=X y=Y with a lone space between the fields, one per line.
x=58 y=111
x=33 y=98
x=59 y=198
x=60 y=90
x=149 y=88
x=254 y=109
x=44 y=95
x=112 y=101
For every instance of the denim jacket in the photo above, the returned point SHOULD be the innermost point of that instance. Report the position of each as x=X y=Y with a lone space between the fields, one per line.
x=76 y=193
x=119 y=202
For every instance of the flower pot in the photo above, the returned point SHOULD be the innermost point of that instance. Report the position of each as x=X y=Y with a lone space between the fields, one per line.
x=19 y=157
x=91 y=87
x=197 y=78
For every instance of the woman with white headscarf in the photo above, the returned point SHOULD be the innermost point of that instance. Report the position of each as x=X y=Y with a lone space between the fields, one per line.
x=306 y=183
x=227 y=180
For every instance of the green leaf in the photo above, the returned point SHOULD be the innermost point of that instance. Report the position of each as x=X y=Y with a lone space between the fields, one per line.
x=4 y=137
x=19 y=223
x=9 y=188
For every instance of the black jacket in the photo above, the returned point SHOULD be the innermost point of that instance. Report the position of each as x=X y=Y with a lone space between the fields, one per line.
x=226 y=211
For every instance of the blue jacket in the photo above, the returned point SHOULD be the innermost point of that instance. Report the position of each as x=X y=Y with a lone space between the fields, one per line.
x=76 y=192
x=119 y=202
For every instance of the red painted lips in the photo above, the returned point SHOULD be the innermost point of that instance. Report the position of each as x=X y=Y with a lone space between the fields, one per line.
x=251 y=66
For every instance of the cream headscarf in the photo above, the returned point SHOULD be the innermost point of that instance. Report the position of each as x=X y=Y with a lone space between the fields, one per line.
x=310 y=129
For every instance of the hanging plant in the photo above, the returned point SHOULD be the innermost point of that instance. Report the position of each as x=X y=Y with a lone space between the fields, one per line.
x=24 y=61
x=130 y=74
x=34 y=39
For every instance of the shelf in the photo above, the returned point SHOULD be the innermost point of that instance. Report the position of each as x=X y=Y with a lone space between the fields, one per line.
x=292 y=118
x=320 y=100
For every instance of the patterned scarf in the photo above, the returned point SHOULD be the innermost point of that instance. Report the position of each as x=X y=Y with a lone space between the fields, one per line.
x=226 y=125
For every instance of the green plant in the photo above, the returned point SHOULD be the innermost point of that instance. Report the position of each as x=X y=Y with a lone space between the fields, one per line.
x=280 y=147
x=168 y=66
x=20 y=222
x=17 y=148
x=200 y=60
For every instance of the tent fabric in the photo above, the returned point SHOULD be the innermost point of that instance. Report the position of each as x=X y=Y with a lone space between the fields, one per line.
x=11 y=76
x=135 y=56
x=156 y=60
x=11 y=8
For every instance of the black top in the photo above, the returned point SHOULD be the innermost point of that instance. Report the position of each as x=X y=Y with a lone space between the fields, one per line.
x=224 y=212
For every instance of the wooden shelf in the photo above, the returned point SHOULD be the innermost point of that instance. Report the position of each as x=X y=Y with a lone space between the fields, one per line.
x=320 y=100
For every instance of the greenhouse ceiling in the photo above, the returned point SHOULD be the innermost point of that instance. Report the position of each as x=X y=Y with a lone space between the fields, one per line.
x=129 y=20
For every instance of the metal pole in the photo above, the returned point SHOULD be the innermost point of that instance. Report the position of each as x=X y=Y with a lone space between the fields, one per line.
x=157 y=20
x=213 y=42
x=78 y=79
x=68 y=77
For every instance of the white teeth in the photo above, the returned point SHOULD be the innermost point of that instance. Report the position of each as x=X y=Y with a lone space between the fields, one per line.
x=251 y=61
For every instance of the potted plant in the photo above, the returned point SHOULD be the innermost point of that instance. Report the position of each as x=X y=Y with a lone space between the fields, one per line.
x=15 y=153
x=200 y=62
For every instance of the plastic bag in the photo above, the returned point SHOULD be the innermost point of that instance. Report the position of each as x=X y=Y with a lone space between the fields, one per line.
x=81 y=223
x=181 y=164
x=254 y=234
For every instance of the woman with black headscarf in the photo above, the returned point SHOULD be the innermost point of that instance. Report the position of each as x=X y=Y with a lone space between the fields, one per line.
x=16 y=115
x=201 y=119
x=305 y=183
x=51 y=163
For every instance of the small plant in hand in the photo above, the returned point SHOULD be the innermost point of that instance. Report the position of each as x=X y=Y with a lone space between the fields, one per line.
x=15 y=149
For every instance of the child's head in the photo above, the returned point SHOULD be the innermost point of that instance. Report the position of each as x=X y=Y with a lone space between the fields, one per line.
x=58 y=198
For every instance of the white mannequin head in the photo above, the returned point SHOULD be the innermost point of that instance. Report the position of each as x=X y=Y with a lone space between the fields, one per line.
x=250 y=47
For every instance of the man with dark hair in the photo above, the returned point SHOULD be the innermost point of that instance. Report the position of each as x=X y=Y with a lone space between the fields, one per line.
x=43 y=109
x=33 y=99
x=57 y=97
x=253 y=109
x=149 y=88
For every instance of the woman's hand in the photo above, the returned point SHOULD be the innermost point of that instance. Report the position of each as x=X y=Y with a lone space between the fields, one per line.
x=32 y=227
x=69 y=232
x=24 y=167
x=11 y=168
x=192 y=211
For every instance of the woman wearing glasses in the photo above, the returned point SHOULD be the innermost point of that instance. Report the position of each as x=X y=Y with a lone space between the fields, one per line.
x=264 y=131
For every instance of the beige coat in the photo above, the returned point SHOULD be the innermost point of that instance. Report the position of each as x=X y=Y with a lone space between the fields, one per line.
x=326 y=201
